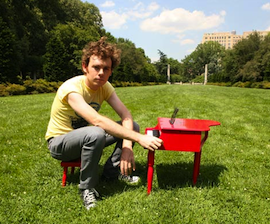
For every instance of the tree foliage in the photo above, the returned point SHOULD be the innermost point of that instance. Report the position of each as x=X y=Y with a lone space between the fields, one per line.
x=32 y=26
x=258 y=67
x=247 y=61
x=163 y=63
x=44 y=39
x=210 y=53
x=8 y=56
x=134 y=66
x=240 y=56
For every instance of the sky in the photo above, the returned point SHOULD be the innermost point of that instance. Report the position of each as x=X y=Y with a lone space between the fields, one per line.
x=176 y=27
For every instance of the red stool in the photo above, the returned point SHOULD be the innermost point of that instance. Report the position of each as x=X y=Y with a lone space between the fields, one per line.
x=72 y=164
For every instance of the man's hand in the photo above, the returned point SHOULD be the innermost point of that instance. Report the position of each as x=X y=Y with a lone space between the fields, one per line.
x=127 y=163
x=150 y=142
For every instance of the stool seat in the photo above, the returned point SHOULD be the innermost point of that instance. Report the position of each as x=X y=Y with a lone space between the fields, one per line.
x=65 y=165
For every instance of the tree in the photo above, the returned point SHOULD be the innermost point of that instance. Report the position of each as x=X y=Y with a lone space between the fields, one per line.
x=134 y=66
x=262 y=58
x=64 y=50
x=8 y=57
x=243 y=52
x=210 y=53
x=32 y=25
x=189 y=71
x=175 y=66
x=162 y=64
x=55 y=67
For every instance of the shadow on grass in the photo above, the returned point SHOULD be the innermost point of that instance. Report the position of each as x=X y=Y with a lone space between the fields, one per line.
x=108 y=188
x=180 y=174
x=177 y=175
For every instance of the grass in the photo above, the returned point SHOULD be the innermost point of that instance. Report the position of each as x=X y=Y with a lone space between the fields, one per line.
x=233 y=186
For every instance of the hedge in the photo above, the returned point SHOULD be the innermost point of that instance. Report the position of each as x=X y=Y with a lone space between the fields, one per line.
x=29 y=87
x=42 y=86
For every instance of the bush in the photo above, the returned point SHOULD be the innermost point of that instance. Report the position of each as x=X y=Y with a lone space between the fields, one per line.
x=15 y=89
x=29 y=85
x=258 y=85
x=261 y=85
x=125 y=84
x=55 y=85
x=3 y=91
x=198 y=79
x=247 y=84
x=227 y=84
x=42 y=86
x=238 y=84
x=176 y=78
x=266 y=85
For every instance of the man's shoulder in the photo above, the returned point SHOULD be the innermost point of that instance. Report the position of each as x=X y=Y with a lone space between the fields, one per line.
x=72 y=82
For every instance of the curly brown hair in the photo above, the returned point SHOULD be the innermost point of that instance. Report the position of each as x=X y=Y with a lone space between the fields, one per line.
x=101 y=49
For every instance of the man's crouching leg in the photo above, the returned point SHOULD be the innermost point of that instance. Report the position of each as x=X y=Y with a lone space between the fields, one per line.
x=90 y=157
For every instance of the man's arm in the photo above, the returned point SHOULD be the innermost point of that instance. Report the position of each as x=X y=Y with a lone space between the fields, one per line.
x=127 y=163
x=79 y=105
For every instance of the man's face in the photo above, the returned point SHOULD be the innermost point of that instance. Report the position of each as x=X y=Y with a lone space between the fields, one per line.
x=97 y=72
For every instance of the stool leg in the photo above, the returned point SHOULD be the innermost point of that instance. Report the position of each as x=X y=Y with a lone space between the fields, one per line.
x=151 y=158
x=64 y=176
x=72 y=170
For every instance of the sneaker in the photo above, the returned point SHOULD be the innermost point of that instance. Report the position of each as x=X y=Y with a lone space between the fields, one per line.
x=129 y=179
x=89 y=198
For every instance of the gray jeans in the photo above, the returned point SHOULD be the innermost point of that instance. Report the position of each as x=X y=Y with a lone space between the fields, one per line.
x=88 y=143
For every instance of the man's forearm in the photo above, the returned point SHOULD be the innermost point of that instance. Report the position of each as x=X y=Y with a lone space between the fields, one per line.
x=127 y=123
x=124 y=131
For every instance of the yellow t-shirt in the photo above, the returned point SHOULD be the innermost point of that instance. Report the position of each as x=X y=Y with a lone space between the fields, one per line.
x=63 y=117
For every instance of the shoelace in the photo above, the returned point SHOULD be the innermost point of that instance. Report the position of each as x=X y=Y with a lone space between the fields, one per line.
x=90 y=196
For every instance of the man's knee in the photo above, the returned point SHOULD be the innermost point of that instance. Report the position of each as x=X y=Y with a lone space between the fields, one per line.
x=95 y=135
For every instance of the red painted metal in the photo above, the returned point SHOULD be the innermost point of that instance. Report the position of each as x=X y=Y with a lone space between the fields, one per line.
x=183 y=135
x=72 y=164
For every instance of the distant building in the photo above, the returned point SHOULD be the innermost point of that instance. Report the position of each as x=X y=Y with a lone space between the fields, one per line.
x=229 y=39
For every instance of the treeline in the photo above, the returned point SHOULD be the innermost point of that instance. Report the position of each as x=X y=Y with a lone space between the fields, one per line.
x=42 y=41
x=248 y=62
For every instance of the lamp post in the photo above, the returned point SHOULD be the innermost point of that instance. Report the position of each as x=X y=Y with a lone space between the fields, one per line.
x=168 y=75
x=205 y=74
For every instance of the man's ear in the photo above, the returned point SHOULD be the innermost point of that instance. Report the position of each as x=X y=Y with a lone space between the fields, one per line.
x=84 y=68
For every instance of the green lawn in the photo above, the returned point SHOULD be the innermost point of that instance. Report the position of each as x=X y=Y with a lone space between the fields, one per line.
x=234 y=181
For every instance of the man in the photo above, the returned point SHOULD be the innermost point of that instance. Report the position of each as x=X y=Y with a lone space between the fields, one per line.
x=77 y=130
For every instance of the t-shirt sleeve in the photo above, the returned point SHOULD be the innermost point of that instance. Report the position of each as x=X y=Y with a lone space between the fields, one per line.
x=67 y=88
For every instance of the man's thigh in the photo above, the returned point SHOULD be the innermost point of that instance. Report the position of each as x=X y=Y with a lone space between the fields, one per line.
x=69 y=146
